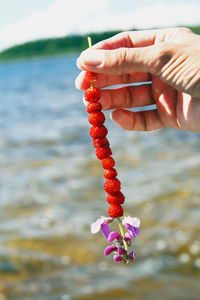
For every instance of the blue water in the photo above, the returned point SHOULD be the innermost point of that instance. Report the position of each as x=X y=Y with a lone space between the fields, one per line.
x=51 y=190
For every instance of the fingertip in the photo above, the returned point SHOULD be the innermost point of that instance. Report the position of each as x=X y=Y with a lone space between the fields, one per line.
x=80 y=82
x=78 y=63
x=77 y=82
x=80 y=60
x=116 y=115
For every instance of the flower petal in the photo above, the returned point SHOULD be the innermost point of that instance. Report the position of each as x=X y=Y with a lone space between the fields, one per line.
x=108 y=220
x=132 y=221
x=110 y=249
x=119 y=258
x=132 y=230
x=127 y=236
x=105 y=230
x=114 y=236
x=137 y=230
x=95 y=227
x=121 y=251
x=131 y=255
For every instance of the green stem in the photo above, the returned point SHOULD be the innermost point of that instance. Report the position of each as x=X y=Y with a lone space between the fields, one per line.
x=122 y=233
x=90 y=47
x=89 y=42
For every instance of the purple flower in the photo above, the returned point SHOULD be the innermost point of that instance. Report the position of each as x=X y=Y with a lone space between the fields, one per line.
x=102 y=224
x=132 y=225
x=121 y=251
x=114 y=236
x=128 y=237
x=120 y=242
x=131 y=255
x=110 y=249
x=119 y=258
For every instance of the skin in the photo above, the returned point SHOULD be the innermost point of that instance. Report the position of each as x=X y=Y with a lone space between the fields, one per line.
x=168 y=59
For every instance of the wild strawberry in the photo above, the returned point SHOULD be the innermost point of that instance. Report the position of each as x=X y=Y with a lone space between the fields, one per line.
x=108 y=162
x=115 y=211
x=98 y=132
x=112 y=185
x=92 y=94
x=96 y=118
x=110 y=173
x=103 y=142
x=91 y=77
x=116 y=198
x=93 y=106
x=103 y=152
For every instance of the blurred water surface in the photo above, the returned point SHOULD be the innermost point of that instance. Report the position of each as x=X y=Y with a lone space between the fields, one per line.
x=51 y=190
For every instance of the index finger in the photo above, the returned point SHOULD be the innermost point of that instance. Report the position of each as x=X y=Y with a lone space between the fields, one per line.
x=129 y=39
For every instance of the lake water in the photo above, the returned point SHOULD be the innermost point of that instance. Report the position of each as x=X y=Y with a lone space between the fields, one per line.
x=51 y=190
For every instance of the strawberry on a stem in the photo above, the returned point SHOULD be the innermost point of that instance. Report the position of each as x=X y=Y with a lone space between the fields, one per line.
x=112 y=185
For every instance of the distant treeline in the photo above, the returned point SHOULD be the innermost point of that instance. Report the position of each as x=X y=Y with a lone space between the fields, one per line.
x=53 y=46
x=58 y=46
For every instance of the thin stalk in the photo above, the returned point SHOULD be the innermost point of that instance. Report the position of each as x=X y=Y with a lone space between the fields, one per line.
x=122 y=233
x=89 y=42
x=90 y=46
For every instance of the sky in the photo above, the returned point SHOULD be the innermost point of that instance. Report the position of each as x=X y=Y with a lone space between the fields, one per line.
x=27 y=20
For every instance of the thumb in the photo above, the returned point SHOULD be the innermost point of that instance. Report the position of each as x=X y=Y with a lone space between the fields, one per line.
x=119 y=61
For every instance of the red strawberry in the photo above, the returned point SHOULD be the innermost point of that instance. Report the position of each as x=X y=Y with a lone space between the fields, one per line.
x=93 y=106
x=102 y=152
x=112 y=185
x=98 y=132
x=108 y=162
x=96 y=118
x=115 y=211
x=110 y=173
x=100 y=142
x=116 y=198
x=91 y=77
x=92 y=94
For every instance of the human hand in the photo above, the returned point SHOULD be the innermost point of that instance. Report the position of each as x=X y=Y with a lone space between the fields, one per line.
x=168 y=58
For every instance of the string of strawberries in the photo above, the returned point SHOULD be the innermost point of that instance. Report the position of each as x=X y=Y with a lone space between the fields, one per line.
x=119 y=242
x=98 y=133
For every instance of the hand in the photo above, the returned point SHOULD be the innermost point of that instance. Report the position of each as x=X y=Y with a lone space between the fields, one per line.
x=168 y=58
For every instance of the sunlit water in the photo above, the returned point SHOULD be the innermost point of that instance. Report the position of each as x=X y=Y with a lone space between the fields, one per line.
x=51 y=190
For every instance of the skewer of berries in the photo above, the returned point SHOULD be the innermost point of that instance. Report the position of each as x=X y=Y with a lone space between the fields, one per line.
x=112 y=185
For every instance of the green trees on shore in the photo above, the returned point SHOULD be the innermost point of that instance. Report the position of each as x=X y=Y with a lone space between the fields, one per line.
x=53 y=46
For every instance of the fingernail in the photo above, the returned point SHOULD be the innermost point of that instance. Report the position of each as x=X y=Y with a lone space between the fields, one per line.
x=111 y=116
x=91 y=57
